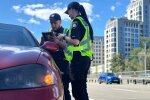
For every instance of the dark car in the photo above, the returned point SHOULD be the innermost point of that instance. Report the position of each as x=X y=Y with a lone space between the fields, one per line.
x=27 y=71
x=108 y=78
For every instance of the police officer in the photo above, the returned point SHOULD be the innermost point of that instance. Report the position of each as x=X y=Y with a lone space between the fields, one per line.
x=79 y=50
x=59 y=57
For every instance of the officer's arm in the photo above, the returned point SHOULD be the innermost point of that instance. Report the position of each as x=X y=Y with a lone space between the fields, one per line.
x=60 y=43
x=72 y=41
x=76 y=31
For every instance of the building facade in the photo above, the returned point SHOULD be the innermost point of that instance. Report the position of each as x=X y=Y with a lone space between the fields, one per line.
x=140 y=10
x=98 y=51
x=121 y=35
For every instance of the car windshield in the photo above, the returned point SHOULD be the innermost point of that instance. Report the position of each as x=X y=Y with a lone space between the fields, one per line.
x=16 y=37
x=110 y=74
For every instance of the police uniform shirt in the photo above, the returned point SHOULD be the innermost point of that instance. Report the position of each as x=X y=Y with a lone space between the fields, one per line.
x=59 y=55
x=58 y=31
x=77 y=32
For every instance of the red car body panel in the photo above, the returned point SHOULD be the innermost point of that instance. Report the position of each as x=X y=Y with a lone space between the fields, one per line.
x=15 y=56
x=12 y=56
x=44 y=93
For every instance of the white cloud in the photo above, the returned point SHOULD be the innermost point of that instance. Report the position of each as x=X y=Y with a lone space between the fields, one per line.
x=88 y=7
x=30 y=21
x=33 y=6
x=21 y=20
x=112 y=8
x=42 y=11
x=97 y=15
x=90 y=19
x=118 y=3
x=58 y=4
x=16 y=8
x=33 y=21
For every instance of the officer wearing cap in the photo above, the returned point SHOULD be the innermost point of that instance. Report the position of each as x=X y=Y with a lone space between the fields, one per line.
x=79 y=49
x=59 y=57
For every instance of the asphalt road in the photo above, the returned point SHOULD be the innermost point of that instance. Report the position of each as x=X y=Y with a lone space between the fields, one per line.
x=118 y=92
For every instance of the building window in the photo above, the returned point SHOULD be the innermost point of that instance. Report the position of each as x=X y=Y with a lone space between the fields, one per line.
x=114 y=29
x=113 y=44
x=136 y=45
x=113 y=40
x=136 y=36
x=125 y=29
x=113 y=35
x=113 y=50
x=136 y=41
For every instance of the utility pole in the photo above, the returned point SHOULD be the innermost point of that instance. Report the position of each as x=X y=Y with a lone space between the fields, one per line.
x=145 y=57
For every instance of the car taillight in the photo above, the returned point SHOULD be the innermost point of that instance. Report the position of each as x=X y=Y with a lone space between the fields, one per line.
x=26 y=76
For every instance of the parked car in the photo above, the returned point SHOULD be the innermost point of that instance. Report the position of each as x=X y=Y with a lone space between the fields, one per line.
x=108 y=78
x=27 y=71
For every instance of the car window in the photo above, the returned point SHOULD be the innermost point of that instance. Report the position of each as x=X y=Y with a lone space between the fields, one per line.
x=110 y=74
x=16 y=37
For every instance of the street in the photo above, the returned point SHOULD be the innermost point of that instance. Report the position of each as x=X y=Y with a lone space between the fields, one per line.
x=118 y=92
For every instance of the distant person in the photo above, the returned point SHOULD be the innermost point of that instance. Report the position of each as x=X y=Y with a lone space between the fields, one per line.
x=120 y=77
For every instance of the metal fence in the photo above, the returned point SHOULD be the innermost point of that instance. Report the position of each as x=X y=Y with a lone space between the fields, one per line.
x=126 y=74
x=126 y=77
x=135 y=73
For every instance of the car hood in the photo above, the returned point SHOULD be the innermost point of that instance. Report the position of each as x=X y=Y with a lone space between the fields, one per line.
x=17 y=55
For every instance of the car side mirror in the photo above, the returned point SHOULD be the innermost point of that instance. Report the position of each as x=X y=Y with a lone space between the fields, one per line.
x=51 y=46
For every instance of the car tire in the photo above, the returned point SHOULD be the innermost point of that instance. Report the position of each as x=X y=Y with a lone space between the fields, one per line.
x=118 y=82
x=107 y=82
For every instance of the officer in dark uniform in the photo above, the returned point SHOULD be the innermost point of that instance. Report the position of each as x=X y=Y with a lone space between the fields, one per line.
x=79 y=50
x=59 y=57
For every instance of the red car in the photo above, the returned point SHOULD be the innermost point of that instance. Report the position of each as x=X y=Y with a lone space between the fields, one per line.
x=27 y=71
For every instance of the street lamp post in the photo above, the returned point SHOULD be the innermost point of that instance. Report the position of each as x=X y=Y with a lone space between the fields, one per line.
x=145 y=57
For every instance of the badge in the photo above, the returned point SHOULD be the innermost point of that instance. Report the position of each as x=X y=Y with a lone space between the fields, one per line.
x=74 y=24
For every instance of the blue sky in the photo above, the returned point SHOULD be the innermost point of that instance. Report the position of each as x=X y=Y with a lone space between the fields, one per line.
x=34 y=14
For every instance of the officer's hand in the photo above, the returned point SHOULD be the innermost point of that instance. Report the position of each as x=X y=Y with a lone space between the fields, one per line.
x=60 y=36
x=56 y=40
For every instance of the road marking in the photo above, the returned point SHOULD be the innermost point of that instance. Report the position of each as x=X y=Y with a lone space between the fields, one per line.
x=125 y=90
x=131 y=90
x=73 y=99
x=91 y=99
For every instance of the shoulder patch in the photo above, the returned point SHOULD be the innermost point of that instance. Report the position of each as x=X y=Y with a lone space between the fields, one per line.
x=75 y=24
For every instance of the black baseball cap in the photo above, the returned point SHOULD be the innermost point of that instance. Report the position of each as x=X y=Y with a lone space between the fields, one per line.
x=73 y=5
x=55 y=16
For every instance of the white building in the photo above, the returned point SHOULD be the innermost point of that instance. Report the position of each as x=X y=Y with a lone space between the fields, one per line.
x=121 y=35
x=140 y=10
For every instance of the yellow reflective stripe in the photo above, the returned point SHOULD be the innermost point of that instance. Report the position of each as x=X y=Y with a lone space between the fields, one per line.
x=65 y=30
x=85 y=46
x=84 y=42
x=68 y=52
x=79 y=48
x=81 y=20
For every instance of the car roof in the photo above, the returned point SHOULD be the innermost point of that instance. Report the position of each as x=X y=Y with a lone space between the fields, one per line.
x=16 y=28
x=11 y=27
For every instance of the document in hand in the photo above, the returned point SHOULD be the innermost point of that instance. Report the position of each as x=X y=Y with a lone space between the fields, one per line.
x=48 y=36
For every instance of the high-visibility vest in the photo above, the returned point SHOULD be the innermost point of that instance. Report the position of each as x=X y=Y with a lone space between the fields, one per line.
x=85 y=45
